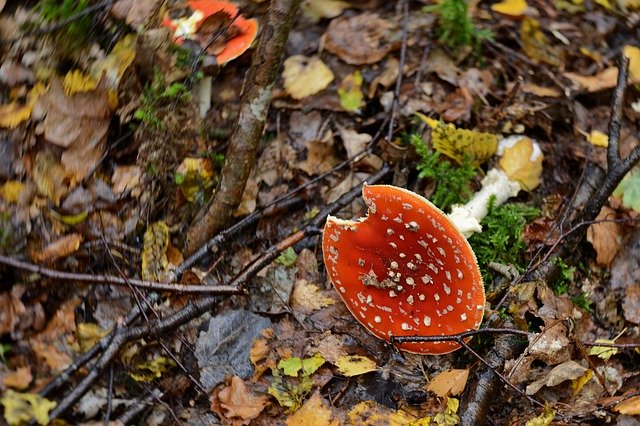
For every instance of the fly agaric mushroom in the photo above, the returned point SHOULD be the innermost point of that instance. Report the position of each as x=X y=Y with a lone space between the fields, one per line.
x=216 y=25
x=405 y=270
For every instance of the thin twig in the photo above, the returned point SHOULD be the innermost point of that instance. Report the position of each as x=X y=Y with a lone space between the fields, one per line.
x=112 y=280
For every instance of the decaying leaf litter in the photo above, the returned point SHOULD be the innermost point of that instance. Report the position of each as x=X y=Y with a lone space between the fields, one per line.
x=117 y=120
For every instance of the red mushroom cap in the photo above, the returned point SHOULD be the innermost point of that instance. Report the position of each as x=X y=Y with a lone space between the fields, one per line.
x=405 y=270
x=245 y=30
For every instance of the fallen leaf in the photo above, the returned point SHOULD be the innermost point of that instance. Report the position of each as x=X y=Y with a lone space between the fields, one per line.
x=294 y=365
x=77 y=82
x=53 y=346
x=521 y=160
x=450 y=414
x=606 y=237
x=359 y=39
x=88 y=334
x=11 y=308
x=11 y=190
x=49 y=176
x=305 y=76
x=313 y=412
x=578 y=384
x=605 y=79
x=78 y=123
x=629 y=190
x=568 y=370
x=62 y=247
x=154 y=252
x=237 y=402
x=350 y=92
x=541 y=91
x=316 y=10
x=544 y=419
x=449 y=382
x=597 y=138
x=355 y=365
x=321 y=158
x=307 y=297
x=457 y=143
x=371 y=413
x=154 y=369
x=21 y=408
x=135 y=12
x=127 y=179
x=630 y=406
x=631 y=303
x=11 y=115
x=386 y=78
x=510 y=8
x=18 y=379
x=194 y=176
x=536 y=45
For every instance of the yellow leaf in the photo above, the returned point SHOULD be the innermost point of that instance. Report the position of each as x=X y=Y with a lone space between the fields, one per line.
x=536 y=44
x=350 y=92
x=630 y=407
x=20 y=408
x=70 y=220
x=510 y=8
x=154 y=253
x=544 y=419
x=148 y=371
x=355 y=365
x=116 y=62
x=312 y=412
x=88 y=335
x=432 y=122
x=450 y=415
x=605 y=3
x=18 y=379
x=598 y=138
x=307 y=297
x=577 y=384
x=603 y=352
x=458 y=143
x=521 y=161
x=11 y=191
x=318 y=9
x=369 y=413
x=305 y=76
x=449 y=382
x=633 y=53
x=195 y=177
x=11 y=115
x=77 y=82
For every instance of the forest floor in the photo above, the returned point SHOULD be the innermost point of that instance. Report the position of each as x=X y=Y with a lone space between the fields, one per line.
x=118 y=123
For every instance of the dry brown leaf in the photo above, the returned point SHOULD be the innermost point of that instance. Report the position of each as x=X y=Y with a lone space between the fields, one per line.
x=568 y=370
x=62 y=247
x=79 y=123
x=371 y=413
x=387 y=76
x=605 y=79
x=631 y=304
x=606 y=237
x=307 y=297
x=49 y=176
x=127 y=178
x=320 y=158
x=51 y=344
x=18 y=379
x=313 y=412
x=305 y=76
x=237 y=402
x=359 y=39
x=541 y=91
x=154 y=253
x=135 y=12
x=630 y=407
x=11 y=307
x=449 y=382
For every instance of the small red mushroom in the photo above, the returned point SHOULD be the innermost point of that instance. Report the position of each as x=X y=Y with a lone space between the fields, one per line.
x=405 y=270
x=219 y=27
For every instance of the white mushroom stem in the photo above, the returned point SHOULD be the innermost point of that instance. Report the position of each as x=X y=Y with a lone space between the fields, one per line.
x=467 y=218
x=523 y=163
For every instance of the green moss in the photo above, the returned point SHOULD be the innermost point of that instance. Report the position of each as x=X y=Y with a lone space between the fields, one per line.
x=453 y=182
x=157 y=95
x=561 y=285
x=455 y=28
x=501 y=237
x=72 y=35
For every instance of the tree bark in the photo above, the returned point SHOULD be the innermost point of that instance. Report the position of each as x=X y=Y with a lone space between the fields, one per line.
x=249 y=126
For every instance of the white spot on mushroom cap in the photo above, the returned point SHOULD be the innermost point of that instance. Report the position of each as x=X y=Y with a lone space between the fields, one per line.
x=436 y=297
x=377 y=319
x=447 y=289
x=405 y=326
x=407 y=206
x=394 y=264
x=426 y=320
x=463 y=317
x=390 y=231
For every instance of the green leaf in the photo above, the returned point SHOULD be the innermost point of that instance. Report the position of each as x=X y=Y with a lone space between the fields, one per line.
x=287 y=257
x=629 y=190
